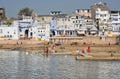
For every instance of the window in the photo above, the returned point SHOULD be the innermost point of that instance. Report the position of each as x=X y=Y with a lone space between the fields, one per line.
x=65 y=19
x=10 y=36
x=76 y=21
x=76 y=25
x=76 y=17
x=42 y=19
x=1 y=31
x=104 y=19
x=78 y=11
x=115 y=19
x=68 y=19
x=20 y=30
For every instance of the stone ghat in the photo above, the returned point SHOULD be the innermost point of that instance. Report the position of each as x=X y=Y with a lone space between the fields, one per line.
x=84 y=40
x=98 y=58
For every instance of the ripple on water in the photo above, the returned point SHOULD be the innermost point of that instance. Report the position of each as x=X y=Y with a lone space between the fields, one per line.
x=19 y=65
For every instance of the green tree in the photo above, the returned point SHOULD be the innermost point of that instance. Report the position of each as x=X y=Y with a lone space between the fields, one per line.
x=25 y=11
x=7 y=22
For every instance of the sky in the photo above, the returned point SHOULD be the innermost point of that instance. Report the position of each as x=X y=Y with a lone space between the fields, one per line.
x=12 y=7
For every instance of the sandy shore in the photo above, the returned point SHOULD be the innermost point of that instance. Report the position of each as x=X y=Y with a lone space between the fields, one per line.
x=32 y=46
x=95 y=49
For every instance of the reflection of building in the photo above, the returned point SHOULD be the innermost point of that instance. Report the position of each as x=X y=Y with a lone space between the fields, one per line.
x=2 y=14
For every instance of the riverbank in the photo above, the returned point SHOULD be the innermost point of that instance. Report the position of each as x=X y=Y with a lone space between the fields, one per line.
x=33 y=46
x=62 y=48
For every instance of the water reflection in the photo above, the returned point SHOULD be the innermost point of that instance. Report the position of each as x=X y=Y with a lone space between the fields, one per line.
x=19 y=65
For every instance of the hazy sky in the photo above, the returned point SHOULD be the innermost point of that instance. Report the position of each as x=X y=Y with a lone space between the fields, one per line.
x=45 y=6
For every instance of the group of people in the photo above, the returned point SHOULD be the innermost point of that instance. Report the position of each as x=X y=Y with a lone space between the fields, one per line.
x=84 y=51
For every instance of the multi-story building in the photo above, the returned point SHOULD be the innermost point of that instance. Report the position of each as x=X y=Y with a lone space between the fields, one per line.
x=8 y=32
x=41 y=31
x=115 y=16
x=69 y=24
x=100 y=5
x=101 y=16
x=89 y=23
x=24 y=26
x=83 y=12
x=34 y=28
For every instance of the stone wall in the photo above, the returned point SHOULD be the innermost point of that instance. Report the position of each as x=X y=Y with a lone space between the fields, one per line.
x=84 y=40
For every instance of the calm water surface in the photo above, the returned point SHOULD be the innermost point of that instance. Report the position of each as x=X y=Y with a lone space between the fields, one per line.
x=18 y=65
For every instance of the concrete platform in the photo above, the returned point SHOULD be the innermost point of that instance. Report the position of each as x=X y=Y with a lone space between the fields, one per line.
x=97 y=58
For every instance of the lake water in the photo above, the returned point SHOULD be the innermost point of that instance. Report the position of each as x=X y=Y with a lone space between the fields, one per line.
x=19 y=65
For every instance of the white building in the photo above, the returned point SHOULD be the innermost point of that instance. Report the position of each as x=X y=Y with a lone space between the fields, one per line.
x=115 y=16
x=103 y=16
x=69 y=24
x=40 y=32
x=8 y=32
x=83 y=12
x=104 y=20
x=24 y=26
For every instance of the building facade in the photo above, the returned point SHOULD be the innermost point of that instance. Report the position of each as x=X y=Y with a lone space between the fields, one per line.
x=103 y=17
x=115 y=16
x=24 y=26
x=84 y=12
x=40 y=32
x=9 y=32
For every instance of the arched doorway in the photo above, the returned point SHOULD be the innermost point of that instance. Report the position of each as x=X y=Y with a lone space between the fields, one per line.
x=26 y=33
x=31 y=34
